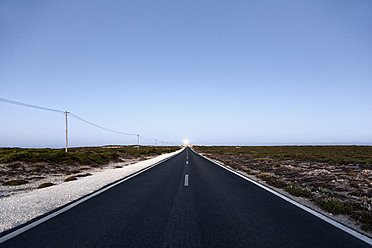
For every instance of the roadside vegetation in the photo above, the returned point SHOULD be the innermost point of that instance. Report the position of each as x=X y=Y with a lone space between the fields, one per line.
x=83 y=155
x=19 y=166
x=361 y=155
x=336 y=178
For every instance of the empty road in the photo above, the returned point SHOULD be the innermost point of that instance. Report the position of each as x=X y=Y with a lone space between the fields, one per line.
x=186 y=201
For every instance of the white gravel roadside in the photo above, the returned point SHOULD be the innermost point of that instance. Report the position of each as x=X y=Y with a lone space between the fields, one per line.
x=20 y=208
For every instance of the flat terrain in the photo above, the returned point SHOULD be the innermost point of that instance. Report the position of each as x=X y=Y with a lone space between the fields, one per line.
x=338 y=179
x=22 y=170
x=23 y=206
x=186 y=201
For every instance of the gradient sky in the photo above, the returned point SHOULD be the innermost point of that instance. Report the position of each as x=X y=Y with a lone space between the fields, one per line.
x=215 y=72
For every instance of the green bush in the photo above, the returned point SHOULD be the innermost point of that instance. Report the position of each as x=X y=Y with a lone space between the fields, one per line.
x=265 y=175
x=84 y=155
x=15 y=182
x=276 y=182
x=297 y=191
x=70 y=179
x=334 y=205
x=44 y=185
x=272 y=180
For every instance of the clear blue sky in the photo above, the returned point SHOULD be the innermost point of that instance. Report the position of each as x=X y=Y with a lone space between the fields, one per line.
x=215 y=72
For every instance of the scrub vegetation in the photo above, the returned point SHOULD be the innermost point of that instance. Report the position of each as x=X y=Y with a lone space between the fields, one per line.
x=45 y=185
x=20 y=166
x=336 y=178
x=84 y=155
x=70 y=179
x=15 y=182
x=361 y=155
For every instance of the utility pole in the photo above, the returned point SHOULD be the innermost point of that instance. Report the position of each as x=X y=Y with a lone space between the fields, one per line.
x=66 y=113
x=156 y=143
x=138 y=141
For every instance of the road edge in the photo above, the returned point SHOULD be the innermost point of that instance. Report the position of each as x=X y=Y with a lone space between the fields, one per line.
x=15 y=231
x=344 y=228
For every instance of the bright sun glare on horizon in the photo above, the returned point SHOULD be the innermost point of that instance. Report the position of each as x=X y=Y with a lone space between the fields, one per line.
x=186 y=141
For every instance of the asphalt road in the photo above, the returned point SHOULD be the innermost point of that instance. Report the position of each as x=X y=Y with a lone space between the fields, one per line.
x=185 y=204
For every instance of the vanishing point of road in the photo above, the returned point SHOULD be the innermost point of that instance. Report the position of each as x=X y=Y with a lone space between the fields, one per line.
x=186 y=201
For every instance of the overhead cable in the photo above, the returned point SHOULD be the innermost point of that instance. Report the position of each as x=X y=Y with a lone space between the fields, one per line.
x=71 y=114
x=95 y=125
x=146 y=138
x=30 y=105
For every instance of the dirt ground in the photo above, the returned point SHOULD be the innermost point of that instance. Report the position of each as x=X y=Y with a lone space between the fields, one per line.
x=26 y=178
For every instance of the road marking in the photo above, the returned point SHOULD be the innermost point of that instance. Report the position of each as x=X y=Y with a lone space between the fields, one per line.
x=307 y=209
x=186 y=180
x=73 y=204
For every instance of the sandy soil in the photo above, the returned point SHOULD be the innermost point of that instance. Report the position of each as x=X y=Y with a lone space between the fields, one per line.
x=27 y=202
x=34 y=181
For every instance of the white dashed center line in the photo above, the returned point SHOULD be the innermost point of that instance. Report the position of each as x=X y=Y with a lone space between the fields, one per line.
x=186 y=180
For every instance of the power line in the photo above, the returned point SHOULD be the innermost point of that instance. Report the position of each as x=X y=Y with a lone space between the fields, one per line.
x=75 y=116
x=95 y=125
x=29 y=105
x=146 y=138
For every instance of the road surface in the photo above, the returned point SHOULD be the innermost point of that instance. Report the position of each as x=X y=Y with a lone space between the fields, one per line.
x=187 y=201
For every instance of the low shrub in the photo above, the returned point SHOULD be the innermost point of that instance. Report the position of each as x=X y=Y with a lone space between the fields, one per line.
x=70 y=179
x=15 y=182
x=264 y=175
x=276 y=182
x=83 y=155
x=83 y=175
x=334 y=205
x=272 y=180
x=44 y=185
x=296 y=190
x=366 y=221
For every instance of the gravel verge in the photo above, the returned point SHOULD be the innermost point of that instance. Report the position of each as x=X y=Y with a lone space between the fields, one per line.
x=18 y=208
x=343 y=219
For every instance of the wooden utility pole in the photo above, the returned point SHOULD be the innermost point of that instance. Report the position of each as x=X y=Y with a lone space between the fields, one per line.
x=138 y=141
x=156 y=143
x=66 y=132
